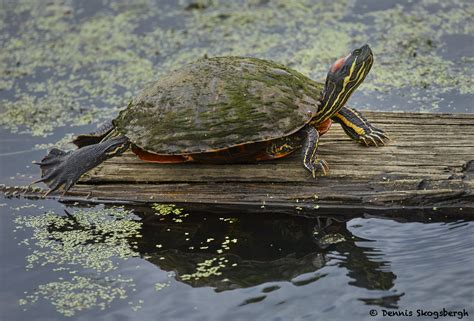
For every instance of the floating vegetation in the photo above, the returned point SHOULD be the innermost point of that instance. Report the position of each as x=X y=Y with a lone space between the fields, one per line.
x=63 y=143
x=169 y=209
x=24 y=206
x=166 y=209
x=207 y=269
x=230 y=220
x=87 y=240
x=160 y=286
x=59 y=66
x=80 y=293
x=330 y=239
x=213 y=266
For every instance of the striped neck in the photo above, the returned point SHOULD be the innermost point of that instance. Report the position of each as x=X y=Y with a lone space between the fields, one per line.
x=344 y=76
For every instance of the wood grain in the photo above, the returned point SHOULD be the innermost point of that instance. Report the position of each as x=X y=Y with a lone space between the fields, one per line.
x=429 y=163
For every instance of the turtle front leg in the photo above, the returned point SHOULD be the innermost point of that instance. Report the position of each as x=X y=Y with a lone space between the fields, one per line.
x=309 y=150
x=359 y=129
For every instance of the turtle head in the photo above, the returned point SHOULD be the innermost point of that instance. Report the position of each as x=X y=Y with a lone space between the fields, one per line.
x=344 y=76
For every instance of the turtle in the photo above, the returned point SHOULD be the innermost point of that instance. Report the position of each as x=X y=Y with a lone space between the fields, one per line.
x=225 y=110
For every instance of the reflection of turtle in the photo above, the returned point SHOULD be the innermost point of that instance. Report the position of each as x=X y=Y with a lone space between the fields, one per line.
x=196 y=251
x=267 y=249
x=201 y=251
x=225 y=110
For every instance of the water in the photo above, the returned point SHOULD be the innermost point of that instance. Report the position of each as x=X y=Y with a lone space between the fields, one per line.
x=273 y=267
x=75 y=63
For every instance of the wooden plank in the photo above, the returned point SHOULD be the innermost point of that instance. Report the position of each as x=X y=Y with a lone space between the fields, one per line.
x=428 y=164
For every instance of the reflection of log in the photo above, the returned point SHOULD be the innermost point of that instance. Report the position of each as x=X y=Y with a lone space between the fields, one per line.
x=429 y=163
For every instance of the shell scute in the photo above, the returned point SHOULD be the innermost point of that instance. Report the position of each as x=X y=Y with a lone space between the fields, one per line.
x=217 y=103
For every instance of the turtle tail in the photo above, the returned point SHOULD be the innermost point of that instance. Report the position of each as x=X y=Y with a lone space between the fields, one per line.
x=94 y=137
x=63 y=169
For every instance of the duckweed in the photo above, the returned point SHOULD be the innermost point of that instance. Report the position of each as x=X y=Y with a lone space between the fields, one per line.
x=80 y=293
x=170 y=209
x=213 y=266
x=60 y=67
x=206 y=269
x=166 y=209
x=63 y=143
x=90 y=238
x=161 y=286
x=87 y=240
x=331 y=239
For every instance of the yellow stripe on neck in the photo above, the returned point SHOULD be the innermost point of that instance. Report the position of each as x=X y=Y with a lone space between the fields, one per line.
x=327 y=110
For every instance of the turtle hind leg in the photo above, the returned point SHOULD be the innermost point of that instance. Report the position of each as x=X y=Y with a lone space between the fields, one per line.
x=359 y=129
x=94 y=137
x=63 y=169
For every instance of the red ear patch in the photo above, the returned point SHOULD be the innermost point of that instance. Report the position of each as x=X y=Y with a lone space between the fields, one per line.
x=338 y=64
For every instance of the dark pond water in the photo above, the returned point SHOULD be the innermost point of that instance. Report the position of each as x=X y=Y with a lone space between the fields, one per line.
x=67 y=65
x=208 y=267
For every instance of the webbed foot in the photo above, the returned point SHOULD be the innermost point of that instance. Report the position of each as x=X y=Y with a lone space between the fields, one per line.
x=63 y=169
x=56 y=171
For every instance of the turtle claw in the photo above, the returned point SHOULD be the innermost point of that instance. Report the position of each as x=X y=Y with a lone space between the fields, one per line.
x=382 y=134
x=319 y=165
x=56 y=184
x=47 y=193
x=373 y=140
x=375 y=137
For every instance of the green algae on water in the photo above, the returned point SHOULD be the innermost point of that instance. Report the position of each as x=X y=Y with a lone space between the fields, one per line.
x=64 y=143
x=166 y=209
x=172 y=210
x=59 y=67
x=80 y=293
x=206 y=269
x=85 y=246
x=214 y=266
x=160 y=286
x=89 y=238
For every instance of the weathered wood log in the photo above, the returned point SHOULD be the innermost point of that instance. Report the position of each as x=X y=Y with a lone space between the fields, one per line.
x=429 y=163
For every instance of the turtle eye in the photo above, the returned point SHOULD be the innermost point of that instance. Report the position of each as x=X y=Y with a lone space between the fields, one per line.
x=356 y=52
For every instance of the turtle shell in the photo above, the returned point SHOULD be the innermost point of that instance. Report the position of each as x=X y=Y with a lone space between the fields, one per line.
x=216 y=103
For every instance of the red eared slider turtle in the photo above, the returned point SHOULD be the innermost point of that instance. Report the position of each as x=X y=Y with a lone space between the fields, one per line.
x=225 y=110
